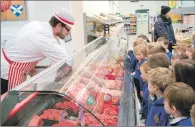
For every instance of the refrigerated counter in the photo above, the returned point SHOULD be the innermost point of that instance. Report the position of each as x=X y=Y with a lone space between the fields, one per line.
x=94 y=91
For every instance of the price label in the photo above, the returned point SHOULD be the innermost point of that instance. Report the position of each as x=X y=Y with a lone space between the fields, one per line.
x=90 y=100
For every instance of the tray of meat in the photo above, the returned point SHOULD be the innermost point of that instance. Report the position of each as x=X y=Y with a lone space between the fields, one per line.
x=53 y=114
x=71 y=108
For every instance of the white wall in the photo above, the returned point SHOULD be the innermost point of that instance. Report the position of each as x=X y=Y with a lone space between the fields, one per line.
x=95 y=7
x=126 y=7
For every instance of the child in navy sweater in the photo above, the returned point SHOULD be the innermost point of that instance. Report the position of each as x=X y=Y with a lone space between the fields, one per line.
x=158 y=80
x=165 y=43
x=179 y=98
x=144 y=90
x=140 y=54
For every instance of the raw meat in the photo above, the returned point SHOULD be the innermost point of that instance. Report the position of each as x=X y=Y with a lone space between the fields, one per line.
x=36 y=121
x=53 y=114
x=68 y=105
x=108 y=120
x=110 y=109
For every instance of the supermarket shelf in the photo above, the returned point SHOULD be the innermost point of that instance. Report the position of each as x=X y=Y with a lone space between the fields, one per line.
x=131 y=33
x=131 y=24
x=90 y=19
x=93 y=34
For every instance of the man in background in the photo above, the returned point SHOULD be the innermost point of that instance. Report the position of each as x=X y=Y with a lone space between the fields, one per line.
x=163 y=27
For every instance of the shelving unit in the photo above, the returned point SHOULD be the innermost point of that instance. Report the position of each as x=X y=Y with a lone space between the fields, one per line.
x=130 y=25
x=104 y=26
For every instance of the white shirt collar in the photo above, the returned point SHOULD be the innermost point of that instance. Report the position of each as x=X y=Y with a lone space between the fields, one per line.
x=176 y=120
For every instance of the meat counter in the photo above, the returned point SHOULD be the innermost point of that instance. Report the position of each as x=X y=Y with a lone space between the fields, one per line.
x=94 y=91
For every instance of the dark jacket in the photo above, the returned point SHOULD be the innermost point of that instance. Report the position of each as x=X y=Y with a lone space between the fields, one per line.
x=163 y=28
x=145 y=99
x=130 y=62
x=157 y=115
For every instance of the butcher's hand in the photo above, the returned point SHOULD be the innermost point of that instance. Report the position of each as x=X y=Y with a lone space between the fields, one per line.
x=62 y=72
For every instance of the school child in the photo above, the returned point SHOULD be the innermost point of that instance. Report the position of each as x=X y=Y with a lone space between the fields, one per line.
x=144 y=90
x=156 y=49
x=143 y=37
x=158 y=80
x=192 y=113
x=158 y=60
x=184 y=71
x=140 y=54
x=191 y=53
x=131 y=61
x=177 y=57
x=179 y=50
x=179 y=98
x=165 y=43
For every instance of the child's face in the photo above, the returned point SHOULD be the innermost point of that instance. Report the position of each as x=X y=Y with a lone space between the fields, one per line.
x=167 y=107
x=189 y=54
x=143 y=74
x=139 y=56
x=151 y=88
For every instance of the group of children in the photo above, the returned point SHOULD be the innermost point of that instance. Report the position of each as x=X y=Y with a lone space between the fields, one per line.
x=164 y=80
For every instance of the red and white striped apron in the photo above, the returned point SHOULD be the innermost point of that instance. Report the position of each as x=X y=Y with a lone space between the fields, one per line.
x=18 y=71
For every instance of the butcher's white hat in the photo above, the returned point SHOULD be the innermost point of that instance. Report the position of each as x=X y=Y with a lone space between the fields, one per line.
x=65 y=17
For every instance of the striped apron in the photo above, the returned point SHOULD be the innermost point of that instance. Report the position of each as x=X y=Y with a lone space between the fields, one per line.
x=18 y=71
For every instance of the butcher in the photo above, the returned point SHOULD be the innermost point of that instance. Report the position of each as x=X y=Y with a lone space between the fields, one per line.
x=34 y=42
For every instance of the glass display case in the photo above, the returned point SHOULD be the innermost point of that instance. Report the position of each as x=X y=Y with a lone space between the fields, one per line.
x=93 y=90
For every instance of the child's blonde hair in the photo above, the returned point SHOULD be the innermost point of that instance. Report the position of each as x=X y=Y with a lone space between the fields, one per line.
x=157 y=49
x=141 y=48
x=150 y=46
x=139 y=41
x=160 y=77
x=158 y=60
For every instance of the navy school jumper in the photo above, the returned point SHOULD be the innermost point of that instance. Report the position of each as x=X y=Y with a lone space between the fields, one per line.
x=157 y=115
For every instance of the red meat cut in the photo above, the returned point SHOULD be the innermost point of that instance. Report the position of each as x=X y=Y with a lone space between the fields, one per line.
x=36 y=121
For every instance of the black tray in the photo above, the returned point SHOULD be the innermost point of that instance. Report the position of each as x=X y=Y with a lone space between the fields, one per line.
x=49 y=122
